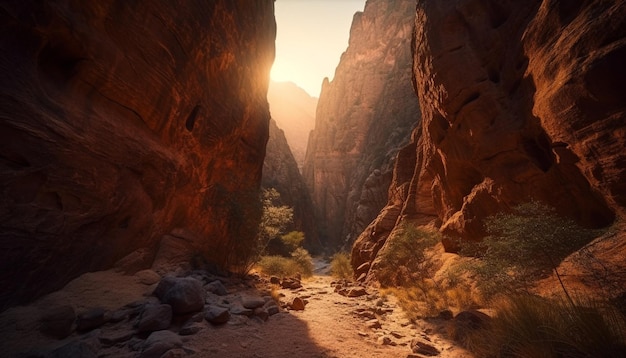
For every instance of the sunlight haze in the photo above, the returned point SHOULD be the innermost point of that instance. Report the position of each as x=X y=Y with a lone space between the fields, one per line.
x=311 y=36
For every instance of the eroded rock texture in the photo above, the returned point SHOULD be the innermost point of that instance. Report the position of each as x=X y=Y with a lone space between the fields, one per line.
x=363 y=117
x=280 y=171
x=520 y=101
x=121 y=121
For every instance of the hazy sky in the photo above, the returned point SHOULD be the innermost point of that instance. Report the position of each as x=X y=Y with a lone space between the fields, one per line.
x=312 y=35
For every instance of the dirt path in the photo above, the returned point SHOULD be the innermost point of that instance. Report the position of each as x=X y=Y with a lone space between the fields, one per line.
x=331 y=325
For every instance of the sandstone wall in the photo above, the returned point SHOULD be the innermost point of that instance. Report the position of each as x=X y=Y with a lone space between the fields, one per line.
x=122 y=121
x=280 y=171
x=363 y=117
x=520 y=101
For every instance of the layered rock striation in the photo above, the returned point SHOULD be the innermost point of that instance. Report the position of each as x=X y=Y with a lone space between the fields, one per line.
x=363 y=117
x=280 y=171
x=520 y=101
x=121 y=122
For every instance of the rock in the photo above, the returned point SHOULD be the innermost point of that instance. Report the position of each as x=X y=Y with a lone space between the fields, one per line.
x=190 y=328
x=274 y=280
x=74 y=349
x=176 y=353
x=445 y=315
x=472 y=156
x=155 y=318
x=160 y=342
x=216 y=315
x=297 y=304
x=91 y=319
x=57 y=321
x=112 y=338
x=384 y=341
x=134 y=262
x=472 y=319
x=148 y=277
x=185 y=294
x=252 y=302
x=119 y=315
x=373 y=324
x=356 y=292
x=291 y=283
x=421 y=346
x=104 y=156
x=216 y=287
x=240 y=310
x=370 y=100
x=262 y=313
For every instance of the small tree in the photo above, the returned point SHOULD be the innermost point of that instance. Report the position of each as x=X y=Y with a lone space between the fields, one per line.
x=275 y=219
x=523 y=246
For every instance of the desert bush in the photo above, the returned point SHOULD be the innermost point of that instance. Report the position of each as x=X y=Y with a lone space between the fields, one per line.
x=304 y=261
x=403 y=261
x=285 y=245
x=300 y=262
x=340 y=266
x=523 y=246
x=278 y=266
x=531 y=326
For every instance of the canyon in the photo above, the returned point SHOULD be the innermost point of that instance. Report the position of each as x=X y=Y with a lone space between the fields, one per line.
x=364 y=116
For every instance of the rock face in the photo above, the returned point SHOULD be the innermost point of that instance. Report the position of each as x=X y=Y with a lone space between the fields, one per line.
x=122 y=121
x=363 y=117
x=520 y=101
x=294 y=111
x=280 y=171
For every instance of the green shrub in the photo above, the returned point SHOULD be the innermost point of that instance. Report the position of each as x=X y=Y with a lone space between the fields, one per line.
x=304 y=261
x=522 y=247
x=403 y=261
x=293 y=240
x=340 y=266
x=531 y=326
x=278 y=266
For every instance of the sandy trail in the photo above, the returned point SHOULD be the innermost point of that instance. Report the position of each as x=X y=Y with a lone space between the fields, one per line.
x=331 y=325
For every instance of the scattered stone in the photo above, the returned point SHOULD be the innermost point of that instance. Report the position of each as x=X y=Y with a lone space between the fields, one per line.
x=184 y=294
x=422 y=346
x=119 y=315
x=261 y=313
x=112 y=338
x=252 y=302
x=472 y=319
x=216 y=287
x=239 y=310
x=216 y=315
x=147 y=277
x=362 y=334
x=357 y=292
x=272 y=310
x=397 y=334
x=366 y=315
x=175 y=353
x=155 y=318
x=373 y=324
x=297 y=304
x=91 y=319
x=291 y=283
x=134 y=262
x=160 y=342
x=190 y=328
x=384 y=341
x=74 y=349
x=275 y=280
x=57 y=321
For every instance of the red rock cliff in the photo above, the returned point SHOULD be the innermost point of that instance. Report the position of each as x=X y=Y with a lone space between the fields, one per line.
x=121 y=121
x=363 y=117
x=520 y=101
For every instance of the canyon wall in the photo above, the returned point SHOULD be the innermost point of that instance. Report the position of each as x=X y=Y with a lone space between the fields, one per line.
x=293 y=109
x=123 y=123
x=520 y=101
x=280 y=171
x=363 y=117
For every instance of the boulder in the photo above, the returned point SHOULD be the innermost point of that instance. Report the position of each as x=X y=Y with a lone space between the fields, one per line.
x=91 y=319
x=216 y=287
x=216 y=315
x=57 y=321
x=155 y=318
x=160 y=342
x=183 y=294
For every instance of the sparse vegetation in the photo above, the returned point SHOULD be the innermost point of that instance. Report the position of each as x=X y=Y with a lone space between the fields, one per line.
x=302 y=258
x=340 y=266
x=522 y=247
x=403 y=261
x=531 y=326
